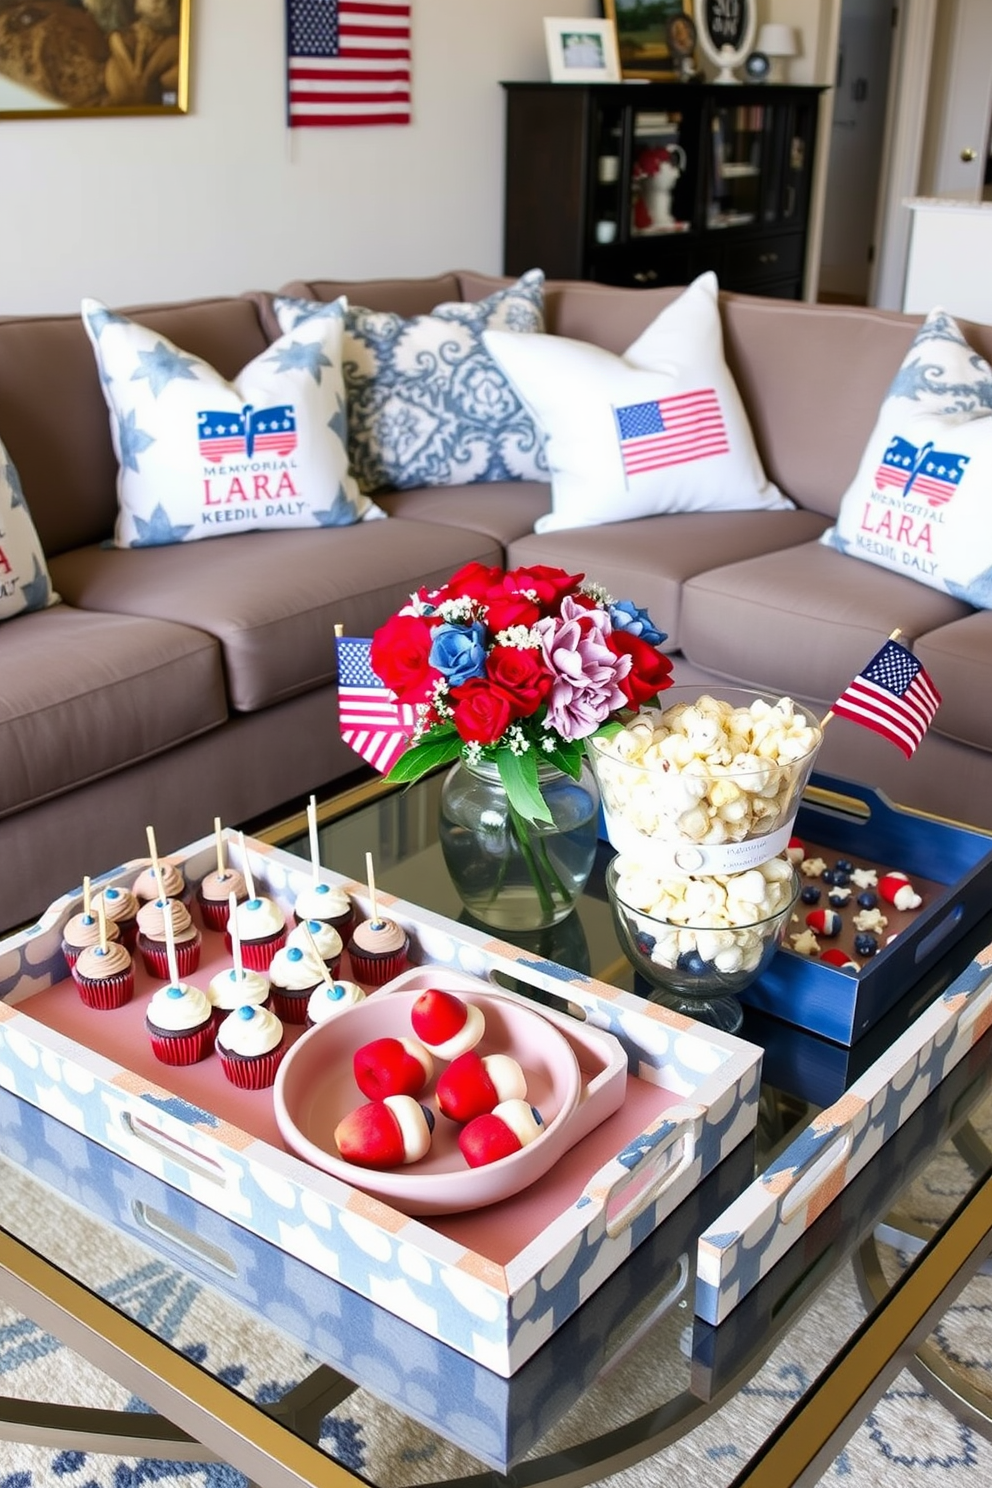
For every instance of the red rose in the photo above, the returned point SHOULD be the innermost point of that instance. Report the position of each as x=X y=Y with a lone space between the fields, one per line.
x=399 y=657
x=550 y=584
x=522 y=675
x=650 y=672
x=506 y=606
x=470 y=582
x=482 y=712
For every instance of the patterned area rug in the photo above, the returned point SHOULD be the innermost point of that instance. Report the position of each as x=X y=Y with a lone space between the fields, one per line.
x=909 y=1439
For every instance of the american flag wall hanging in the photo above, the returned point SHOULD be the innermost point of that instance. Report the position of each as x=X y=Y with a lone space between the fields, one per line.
x=348 y=63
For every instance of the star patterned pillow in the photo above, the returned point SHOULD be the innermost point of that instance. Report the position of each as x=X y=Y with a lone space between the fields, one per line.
x=919 y=504
x=24 y=581
x=202 y=457
x=427 y=404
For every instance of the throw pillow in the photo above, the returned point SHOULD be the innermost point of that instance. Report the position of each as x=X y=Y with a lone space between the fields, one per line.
x=660 y=429
x=427 y=405
x=202 y=457
x=24 y=581
x=920 y=502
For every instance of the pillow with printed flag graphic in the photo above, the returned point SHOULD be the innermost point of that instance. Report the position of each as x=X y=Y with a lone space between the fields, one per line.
x=921 y=502
x=659 y=429
x=202 y=457
x=24 y=581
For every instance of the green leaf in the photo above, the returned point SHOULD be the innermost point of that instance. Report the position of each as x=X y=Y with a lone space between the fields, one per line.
x=440 y=749
x=607 y=730
x=518 y=773
x=566 y=757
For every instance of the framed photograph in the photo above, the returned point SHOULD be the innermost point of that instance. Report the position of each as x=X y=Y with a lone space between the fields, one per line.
x=643 y=35
x=72 y=58
x=581 y=51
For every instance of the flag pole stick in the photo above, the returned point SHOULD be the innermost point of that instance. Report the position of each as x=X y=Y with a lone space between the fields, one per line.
x=894 y=636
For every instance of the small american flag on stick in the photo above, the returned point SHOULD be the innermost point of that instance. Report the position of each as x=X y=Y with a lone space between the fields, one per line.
x=893 y=696
x=671 y=431
x=373 y=722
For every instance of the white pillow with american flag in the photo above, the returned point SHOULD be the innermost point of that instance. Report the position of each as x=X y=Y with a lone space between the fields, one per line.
x=660 y=429
x=920 y=502
x=202 y=457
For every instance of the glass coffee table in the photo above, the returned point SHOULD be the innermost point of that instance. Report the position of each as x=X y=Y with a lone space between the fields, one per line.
x=632 y=1374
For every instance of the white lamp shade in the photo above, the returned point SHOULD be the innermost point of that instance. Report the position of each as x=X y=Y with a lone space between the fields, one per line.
x=777 y=40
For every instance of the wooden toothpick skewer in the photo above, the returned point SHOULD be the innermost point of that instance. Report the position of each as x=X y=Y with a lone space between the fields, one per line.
x=156 y=865
x=103 y=927
x=232 y=924
x=894 y=636
x=219 y=839
x=370 y=875
x=87 y=900
x=324 y=970
x=170 y=946
x=246 y=867
x=314 y=844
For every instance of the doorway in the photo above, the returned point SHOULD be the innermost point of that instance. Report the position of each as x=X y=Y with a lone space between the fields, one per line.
x=857 y=138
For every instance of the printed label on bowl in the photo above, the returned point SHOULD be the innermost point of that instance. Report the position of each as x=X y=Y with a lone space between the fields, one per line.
x=683 y=856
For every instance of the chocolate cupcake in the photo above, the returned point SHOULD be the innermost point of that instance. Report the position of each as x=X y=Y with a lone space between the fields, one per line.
x=261 y=929
x=324 y=902
x=378 y=951
x=180 y=1024
x=151 y=938
x=250 y=1044
x=293 y=975
x=228 y=991
x=120 y=906
x=214 y=893
x=81 y=931
x=314 y=935
x=173 y=886
x=331 y=998
x=104 y=975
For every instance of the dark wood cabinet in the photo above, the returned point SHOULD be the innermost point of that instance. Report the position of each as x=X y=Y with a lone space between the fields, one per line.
x=653 y=183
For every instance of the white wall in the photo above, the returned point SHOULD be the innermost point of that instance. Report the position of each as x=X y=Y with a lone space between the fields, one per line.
x=225 y=198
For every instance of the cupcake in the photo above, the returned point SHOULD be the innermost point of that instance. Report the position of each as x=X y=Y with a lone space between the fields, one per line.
x=250 y=1043
x=228 y=991
x=314 y=935
x=331 y=998
x=180 y=1024
x=214 y=893
x=321 y=901
x=151 y=937
x=121 y=908
x=147 y=887
x=81 y=931
x=378 y=950
x=262 y=930
x=293 y=975
x=104 y=975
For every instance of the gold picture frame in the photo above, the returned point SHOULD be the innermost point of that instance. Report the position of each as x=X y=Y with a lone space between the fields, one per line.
x=642 y=35
x=91 y=58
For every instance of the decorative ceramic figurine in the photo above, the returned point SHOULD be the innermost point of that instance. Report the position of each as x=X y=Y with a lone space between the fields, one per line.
x=656 y=171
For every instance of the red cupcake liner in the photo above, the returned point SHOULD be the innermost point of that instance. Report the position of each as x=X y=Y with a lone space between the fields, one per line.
x=214 y=913
x=289 y=1007
x=71 y=954
x=256 y=954
x=128 y=932
x=252 y=1074
x=375 y=970
x=156 y=960
x=184 y=1048
x=107 y=992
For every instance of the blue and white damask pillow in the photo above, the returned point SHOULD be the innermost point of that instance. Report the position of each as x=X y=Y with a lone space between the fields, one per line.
x=24 y=581
x=921 y=502
x=202 y=457
x=427 y=404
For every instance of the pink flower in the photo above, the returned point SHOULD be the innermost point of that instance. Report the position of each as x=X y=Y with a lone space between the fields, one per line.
x=587 y=673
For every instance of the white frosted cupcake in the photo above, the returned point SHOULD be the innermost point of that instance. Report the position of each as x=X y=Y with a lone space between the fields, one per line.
x=261 y=930
x=251 y=1043
x=329 y=999
x=180 y=1024
x=293 y=975
x=228 y=991
x=321 y=901
x=324 y=939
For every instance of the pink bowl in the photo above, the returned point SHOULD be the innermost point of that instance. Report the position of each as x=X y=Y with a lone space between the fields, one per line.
x=315 y=1088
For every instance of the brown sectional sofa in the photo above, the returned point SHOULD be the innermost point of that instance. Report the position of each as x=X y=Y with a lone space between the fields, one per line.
x=178 y=683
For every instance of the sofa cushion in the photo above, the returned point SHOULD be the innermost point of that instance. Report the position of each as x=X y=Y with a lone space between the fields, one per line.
x=427 y=405
x=400 y=296
x=803 y=620
x=83 y=694
x=660 y=429
x=919 y=503
x=503 y=511
x=959 y=659
x=201 y=457
x=24 y=581
x=651 y=559
x=272 y=603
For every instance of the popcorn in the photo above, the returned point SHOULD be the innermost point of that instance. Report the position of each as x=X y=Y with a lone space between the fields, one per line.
x=805 y=943
x=870 y=919
x=707 y=772
x=814 y=867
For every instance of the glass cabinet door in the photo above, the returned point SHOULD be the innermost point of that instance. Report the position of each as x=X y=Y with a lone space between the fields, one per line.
x=742 y=166
x=662 y=171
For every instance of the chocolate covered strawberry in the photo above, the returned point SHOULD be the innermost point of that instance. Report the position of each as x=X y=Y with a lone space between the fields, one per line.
x=499 y=1133
x=392 y=1066
x=447 y=1025
x=472 y=1086
x=386 y=1133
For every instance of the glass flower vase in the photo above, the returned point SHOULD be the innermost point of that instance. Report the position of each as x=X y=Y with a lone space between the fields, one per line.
x=510 y=873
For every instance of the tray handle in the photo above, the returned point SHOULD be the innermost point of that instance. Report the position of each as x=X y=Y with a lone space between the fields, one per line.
x=813 y=1175
x=631 y=1193
x=165 y=1145
x=178 y=1241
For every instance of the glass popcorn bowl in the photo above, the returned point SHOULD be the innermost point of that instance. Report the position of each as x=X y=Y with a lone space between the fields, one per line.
x=699 y=941
x=707 y=782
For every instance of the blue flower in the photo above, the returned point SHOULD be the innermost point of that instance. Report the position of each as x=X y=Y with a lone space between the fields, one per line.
x=459 y=652
x=625 y=615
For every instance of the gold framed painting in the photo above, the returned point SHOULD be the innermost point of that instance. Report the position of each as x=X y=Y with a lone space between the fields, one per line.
x=643 y=35
x=73 y=58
